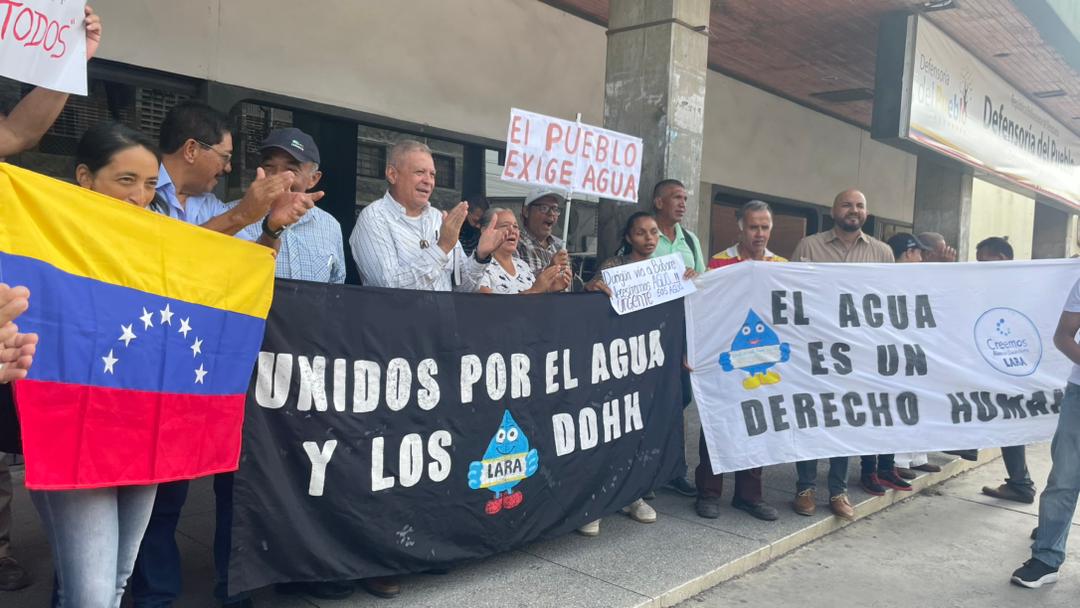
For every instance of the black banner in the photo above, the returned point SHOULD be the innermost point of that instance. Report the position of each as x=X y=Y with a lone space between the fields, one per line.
x=392 y=431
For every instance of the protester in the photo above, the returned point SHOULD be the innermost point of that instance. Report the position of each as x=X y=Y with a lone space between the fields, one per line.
x=1058 y=501
x=311 y=249
x=35 y=113
x=95 y=533
x=509 y=274
x=538 y=246
x=669 y=203
x=16 y=356
x=1018 y=486
x=880 y=472
x=639 y=239
x=939 y=251
x=402 y=241
x=470 y=230
x=845 y=242
x=196 y=148
x=755 y=226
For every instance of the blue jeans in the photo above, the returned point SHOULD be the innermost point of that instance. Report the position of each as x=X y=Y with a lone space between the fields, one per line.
x=1015 y=459
x=95 y=536
x=838 y=468
x=1058 y=502
x=156 y=581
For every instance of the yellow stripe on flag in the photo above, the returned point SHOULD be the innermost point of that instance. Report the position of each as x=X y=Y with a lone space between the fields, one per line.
x=95 y=236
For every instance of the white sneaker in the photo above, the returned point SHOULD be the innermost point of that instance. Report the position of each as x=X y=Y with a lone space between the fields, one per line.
x=640 y=511
x=590 y=529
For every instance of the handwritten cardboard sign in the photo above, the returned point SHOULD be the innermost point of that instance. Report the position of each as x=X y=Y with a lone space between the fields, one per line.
x=648 y=283
x=572 y=156
x=43 y=42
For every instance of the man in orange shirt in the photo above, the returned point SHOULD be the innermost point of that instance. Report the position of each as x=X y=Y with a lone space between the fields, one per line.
x=755 y=225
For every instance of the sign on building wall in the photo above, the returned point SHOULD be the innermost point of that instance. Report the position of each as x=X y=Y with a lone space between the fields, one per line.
x=43 y=42
x=954 y=104
x=572 y=156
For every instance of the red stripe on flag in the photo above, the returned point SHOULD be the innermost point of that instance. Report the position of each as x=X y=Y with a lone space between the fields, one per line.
x=77 y=436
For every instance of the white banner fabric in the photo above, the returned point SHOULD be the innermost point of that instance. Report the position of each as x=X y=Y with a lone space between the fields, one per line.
x=801 y=361
x=43 y=42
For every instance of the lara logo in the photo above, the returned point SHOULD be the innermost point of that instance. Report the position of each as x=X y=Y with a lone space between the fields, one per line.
x=1008 y=341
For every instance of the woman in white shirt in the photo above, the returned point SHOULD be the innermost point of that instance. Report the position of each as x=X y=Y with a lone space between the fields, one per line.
x=509 y=274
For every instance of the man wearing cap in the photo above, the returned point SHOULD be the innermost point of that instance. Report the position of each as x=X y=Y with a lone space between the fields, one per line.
x=538 y=245
x=940 y=251
x=311 y=249
x=401 y=241
x=845 y=242
x=755 y=227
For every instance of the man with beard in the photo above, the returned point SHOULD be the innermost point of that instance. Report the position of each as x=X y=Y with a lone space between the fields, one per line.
x=845 y=242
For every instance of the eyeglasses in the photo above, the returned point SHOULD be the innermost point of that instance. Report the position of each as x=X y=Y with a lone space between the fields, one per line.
x=545 y=209
x=225 y=157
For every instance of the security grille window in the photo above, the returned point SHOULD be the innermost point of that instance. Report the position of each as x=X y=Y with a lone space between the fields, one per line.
x=444 y=171
x=253 y=122
x=370 y=160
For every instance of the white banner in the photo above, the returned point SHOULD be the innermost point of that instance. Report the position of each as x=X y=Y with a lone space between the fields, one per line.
x=571 y=156
x=43 y=42
x=647 y=283
x=799 y=361
x=963 y=109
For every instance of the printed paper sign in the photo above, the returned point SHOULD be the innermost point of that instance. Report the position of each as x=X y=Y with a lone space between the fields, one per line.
x=798 y=361
x=648 y=283
x=571 y=156
x=43 y=42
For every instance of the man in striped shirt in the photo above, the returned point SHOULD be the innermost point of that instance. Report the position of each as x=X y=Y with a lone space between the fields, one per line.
x=402 y=241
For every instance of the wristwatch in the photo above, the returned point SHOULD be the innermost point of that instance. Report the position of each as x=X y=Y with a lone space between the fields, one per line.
x=268 y=232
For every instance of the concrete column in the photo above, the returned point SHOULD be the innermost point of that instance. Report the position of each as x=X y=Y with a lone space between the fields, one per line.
x=657 y=60
x=1052 y=234
x=943 y=201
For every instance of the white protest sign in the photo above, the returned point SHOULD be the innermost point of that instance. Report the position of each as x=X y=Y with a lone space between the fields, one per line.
x=803 y=361
x=43 y=42
x=647 y=283
x=572 y=156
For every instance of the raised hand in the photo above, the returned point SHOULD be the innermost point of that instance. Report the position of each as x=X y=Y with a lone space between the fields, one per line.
x=450 y=231
x=16 y=353
x=289 y=207
x=261 y=194
x=93 y=32
x=491 y=238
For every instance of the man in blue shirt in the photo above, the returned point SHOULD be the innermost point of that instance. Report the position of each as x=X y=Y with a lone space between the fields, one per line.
x=311 y=249
x=196 y=148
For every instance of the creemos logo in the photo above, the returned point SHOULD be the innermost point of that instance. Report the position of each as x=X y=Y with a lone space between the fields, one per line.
x=1008 y=341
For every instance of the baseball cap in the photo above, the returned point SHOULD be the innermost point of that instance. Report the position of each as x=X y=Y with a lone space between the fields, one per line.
x=298 y=144
x=903 y=241
x=538 y=193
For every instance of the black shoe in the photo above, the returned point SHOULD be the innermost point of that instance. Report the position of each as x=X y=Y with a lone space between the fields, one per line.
x=761 y=510
x=382 y=586
x=709 y=508
x=1034 y=574
x=247 y=602
x=1007 y=492
x=871 y=484
x=680 y=485
x=890 y=479
x=324 y=590
x=965 y=454
x=12 y=575
x=1034 y=532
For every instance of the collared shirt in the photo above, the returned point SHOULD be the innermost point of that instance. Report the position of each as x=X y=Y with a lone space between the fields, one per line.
x=731 y=256
x=685 y=244
x=536 y=254
x=392 y=249
x=826 y=247
x=196 y=209
x=311 y=249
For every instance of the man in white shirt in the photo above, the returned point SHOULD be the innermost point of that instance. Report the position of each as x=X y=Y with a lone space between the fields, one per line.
x=402 y=241
x=1058 y=502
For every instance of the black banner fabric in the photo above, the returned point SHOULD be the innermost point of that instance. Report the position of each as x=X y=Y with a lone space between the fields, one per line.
x=392 y=431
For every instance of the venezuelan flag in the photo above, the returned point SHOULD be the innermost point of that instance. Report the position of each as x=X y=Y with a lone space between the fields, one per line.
x=149 y=332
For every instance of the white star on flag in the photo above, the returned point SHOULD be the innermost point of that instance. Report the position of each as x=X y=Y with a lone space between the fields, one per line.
x=185 y=327
x=147 y=318
x=199 y=374
x=166 y=315
x=196 y=348
x=109 y=360
x=128 y=335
